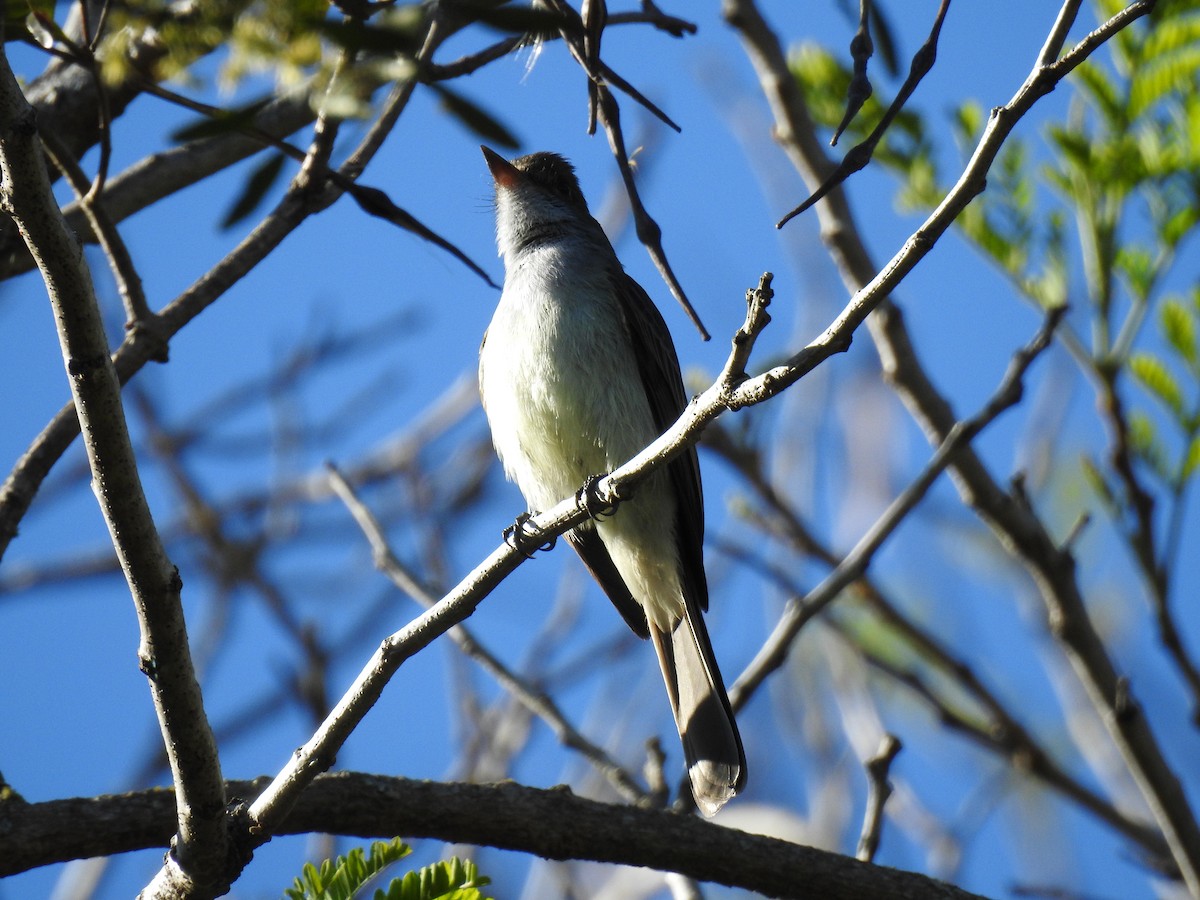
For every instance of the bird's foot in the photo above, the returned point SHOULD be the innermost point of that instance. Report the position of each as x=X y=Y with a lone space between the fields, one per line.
x=589 y=498
x=526 y=539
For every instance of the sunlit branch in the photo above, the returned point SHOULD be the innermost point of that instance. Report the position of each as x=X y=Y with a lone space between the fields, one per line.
x=534 y=699
x=154 y=583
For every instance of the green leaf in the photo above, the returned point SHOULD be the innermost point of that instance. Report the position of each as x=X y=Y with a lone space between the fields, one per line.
x=16 y=19
x=237 y=118
x=1192 y=461
x=1101 y=90
x=1158 y=380
x=1049 y=288
x=1179 y=328
x=1074 y=146
x=920 y=189
x=823 y=82
x=1178 y=225
x=1095 y=479
x=1144 y=440
x=1142 y=436
x=342 y=878
x=451 y=879
x=476 y=118
x=261 y=180
x=885 y=43
x=1162 y=76
x=1189 y=125
x=1137 y=265
x=1173 y=31
x=968 y=122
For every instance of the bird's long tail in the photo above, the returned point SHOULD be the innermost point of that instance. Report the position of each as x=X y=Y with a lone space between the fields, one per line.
x=711 y=743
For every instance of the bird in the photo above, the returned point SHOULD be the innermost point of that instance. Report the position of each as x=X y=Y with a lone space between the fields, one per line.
x=577 y=374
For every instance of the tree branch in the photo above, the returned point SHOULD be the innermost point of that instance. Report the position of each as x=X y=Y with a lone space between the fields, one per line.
x=603 y=104
x=164 y=173
x=1020 y=531
x=957 y=441
x=301 y=200
x=857 y=158
x=554 y=824
x=153 y=581
x=731 y=391
x=531 y=697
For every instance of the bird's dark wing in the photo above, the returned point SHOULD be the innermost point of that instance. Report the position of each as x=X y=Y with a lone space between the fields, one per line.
x=658 y=366
x=594 y=554
x=707 y=728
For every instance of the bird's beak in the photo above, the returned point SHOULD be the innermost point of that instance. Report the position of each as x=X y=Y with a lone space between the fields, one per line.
x=504 y=172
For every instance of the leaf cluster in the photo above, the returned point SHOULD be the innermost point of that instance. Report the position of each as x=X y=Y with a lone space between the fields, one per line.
x=343 y=878
x=1124 y=170
x=1169 y=378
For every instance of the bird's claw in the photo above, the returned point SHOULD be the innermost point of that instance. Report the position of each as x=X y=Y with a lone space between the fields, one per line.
x=525 y=539
x=589 y=498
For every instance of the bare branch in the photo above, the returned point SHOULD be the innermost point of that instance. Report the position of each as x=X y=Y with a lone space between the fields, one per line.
x=1140 y=528
x=370 y=200
x=775 y=649
x=535 y=700
x=1067 y=14
x=860 y=155
x=554 y=824
x=153 y=581
x=607 y=110
x=164 y=173
x=1051 y=567
x=129 y=283
x=859 y=90
x=301 y=200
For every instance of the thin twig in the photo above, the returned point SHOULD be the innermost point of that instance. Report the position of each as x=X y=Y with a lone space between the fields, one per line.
x=129 y=282
x=609 y=114
x=648 y=230
x=775 y=649
x=1052 y=568
x=1067 y=14
x=532 y=698
x=164 y=173
x=860 y=155
x=878 y=791
x=198 y=854
x=649 y=14
x=1139 y=527
x=138 y=348
x=859 y=90
x=370 y=199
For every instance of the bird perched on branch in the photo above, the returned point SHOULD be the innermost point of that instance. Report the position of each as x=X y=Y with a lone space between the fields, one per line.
x=578 y=374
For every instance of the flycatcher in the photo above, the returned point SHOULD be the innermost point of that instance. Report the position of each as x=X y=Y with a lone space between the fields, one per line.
x=578 y=374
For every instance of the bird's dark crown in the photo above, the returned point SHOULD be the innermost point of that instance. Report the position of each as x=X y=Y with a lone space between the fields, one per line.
x=553 y=173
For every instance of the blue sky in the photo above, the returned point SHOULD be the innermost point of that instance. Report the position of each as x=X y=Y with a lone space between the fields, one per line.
x=76 y=712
